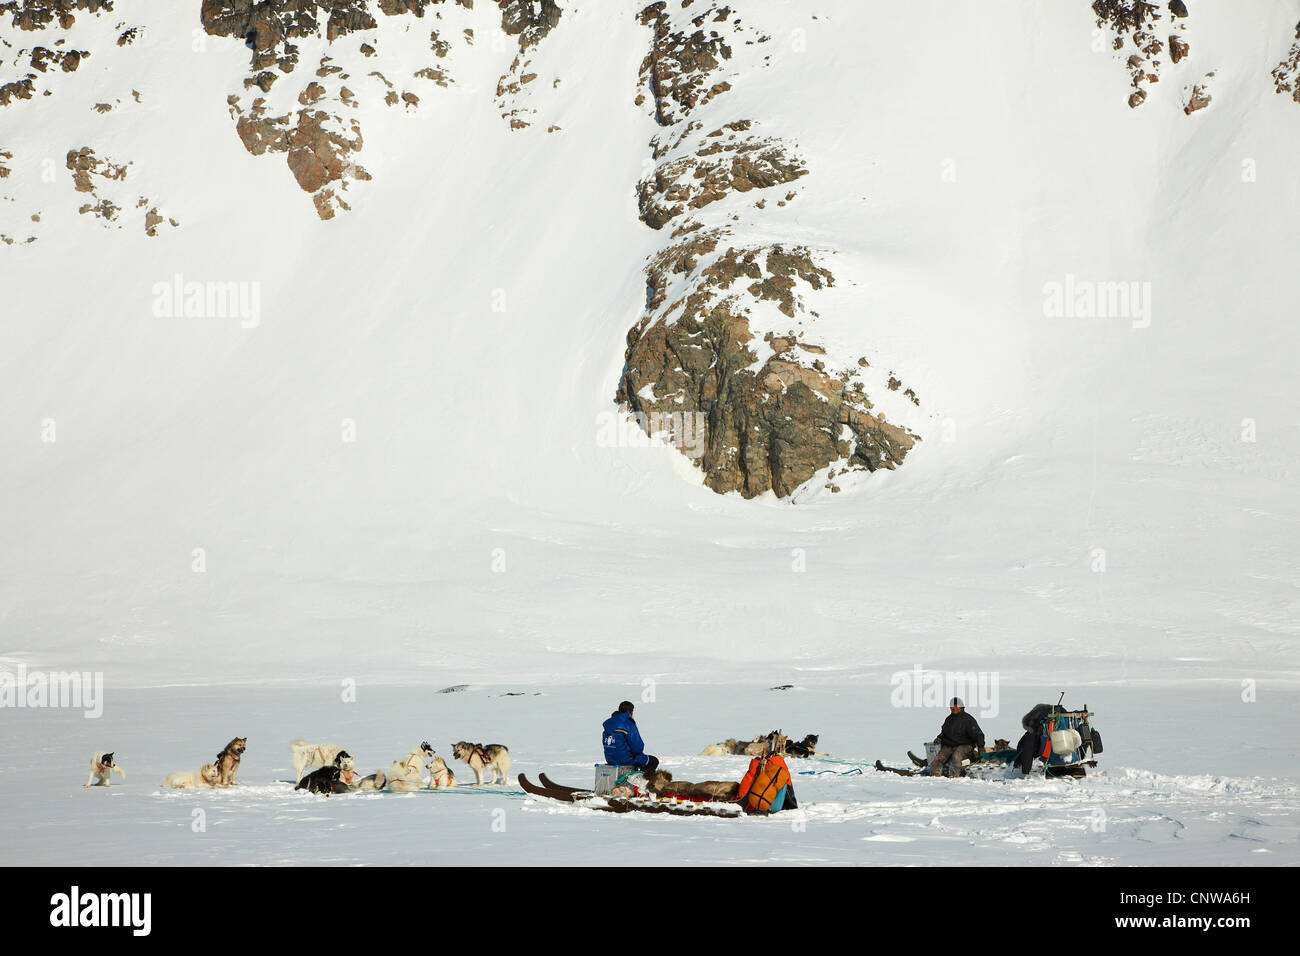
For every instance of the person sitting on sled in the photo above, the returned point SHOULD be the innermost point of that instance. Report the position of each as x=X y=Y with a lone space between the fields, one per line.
x=622 y=741
x=959 y=738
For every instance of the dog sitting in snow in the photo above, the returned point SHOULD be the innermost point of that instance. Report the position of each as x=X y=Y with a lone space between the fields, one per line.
x=228 y=762
x=206 y=776
x=661 y=784
x=102 y=769
x=494 y=758
x=310 y=756
x=440 y=774
x=406 y=774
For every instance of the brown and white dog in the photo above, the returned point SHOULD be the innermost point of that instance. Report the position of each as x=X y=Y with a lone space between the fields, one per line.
x=228 y=762
x=494 y=758
x=101 y=770
x=775 y=742
x=440 y=774
x=662 y=784
x=206 y=776
x=761 y=744
x=406 y=774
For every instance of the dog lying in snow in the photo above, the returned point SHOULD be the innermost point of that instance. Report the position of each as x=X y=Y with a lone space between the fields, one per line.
x=775 y=742
x=206 y=776
x=494 y=758
x=662 y=784
x=440 y=774
x=802 y=748
x=406 y=774
x=101 y=770
x=309 y=756
x=376 y=781
x=336 y=778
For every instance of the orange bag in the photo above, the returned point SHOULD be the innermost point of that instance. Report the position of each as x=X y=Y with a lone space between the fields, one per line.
x=764 y=780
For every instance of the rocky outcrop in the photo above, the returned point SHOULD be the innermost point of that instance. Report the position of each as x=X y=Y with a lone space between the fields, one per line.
x=314 y=121
x=776 y=408
x=714 y=171
x=678 y=72
x=1199 y=96
x=1137 y=24
x=774 y=414
x=44 y=58
x=39 y=14
x=1286 y=75
x=529 y=21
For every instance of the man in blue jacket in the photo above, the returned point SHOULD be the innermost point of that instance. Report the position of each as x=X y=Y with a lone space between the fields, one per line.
x=622 y=741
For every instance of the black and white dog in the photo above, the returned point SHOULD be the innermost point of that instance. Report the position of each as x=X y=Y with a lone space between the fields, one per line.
x=329 y=779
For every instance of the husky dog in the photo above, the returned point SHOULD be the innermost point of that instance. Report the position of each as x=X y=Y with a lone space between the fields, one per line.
x=802 y=748
x=661 y=784
x=775 y=742
x=405 y=775
x=102 y=769
x=326 y=780
x=494 y=758
x=228 y=761
x=440 y=774
x=347 y=768
x=376 y=781
x=206 y=776
x=309 y=756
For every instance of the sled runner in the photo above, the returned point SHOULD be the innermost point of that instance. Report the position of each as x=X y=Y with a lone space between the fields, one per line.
x=588 y=799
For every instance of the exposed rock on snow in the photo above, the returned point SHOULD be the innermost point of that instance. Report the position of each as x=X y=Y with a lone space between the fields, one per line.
x=1285 y=74
x=319 y=143
x=777 y=409
x=39 y=14
x=712 y=173
x=1138 y=21
x=531 y=21
x=677 y=72
x=774 y=415
x=1199 y=98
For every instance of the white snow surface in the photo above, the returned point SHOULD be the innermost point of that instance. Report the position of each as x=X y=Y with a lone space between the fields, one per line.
x=1083 y=511
x=1185 y=779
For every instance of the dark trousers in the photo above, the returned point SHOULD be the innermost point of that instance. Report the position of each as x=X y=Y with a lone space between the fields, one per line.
x=952 y=756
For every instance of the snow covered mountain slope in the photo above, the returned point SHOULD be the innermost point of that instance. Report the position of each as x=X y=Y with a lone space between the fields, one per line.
x=384 y=439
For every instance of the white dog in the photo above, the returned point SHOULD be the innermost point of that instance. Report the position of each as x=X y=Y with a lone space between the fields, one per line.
x=440 y=774
x=206 y=776
x=406 y=774
x=310 y=756
x=102 y=769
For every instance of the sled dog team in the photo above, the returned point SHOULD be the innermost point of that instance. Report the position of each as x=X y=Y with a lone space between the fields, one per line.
x=328 y=768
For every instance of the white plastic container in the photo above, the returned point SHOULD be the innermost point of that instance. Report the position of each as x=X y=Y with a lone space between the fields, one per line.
x=1065 y=742
x=607 y=776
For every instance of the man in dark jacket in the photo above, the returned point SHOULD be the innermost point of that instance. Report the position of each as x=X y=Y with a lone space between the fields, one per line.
x=622 y=741
x=959 y=737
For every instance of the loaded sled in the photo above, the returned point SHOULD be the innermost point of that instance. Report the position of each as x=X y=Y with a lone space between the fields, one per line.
x=1056 y=743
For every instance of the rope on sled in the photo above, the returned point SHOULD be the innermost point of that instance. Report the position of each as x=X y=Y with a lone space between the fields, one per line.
x=853 y=772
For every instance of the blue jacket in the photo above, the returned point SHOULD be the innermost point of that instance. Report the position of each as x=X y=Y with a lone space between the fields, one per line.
x=622 y=742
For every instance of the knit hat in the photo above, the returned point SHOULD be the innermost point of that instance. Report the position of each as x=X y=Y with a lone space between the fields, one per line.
x=956 y=702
